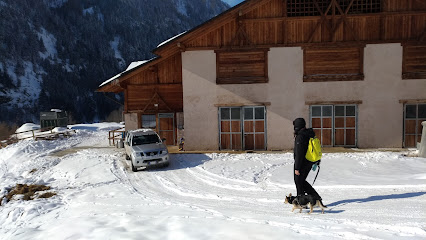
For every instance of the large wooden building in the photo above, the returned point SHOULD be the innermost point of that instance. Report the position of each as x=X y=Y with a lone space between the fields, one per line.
x=354 y=69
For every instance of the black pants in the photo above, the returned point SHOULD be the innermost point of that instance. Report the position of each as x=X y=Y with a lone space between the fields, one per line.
x=302 y=185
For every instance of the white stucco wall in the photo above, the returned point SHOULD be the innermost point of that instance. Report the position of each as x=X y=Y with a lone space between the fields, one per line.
x=200 y=117
x=380 y=115
x=131 y=121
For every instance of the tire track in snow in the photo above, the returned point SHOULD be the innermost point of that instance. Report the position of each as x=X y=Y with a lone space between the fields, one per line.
x=204 y=190
x=230 y=199
x=218 y=181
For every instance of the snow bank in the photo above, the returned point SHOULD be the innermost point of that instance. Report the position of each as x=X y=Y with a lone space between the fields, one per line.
x=59 y=129
x=27 y=127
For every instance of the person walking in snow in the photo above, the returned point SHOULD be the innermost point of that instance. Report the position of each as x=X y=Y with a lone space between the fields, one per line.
x=302 y=166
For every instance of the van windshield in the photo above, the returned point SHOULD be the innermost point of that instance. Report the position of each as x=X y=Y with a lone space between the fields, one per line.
x=145 y=139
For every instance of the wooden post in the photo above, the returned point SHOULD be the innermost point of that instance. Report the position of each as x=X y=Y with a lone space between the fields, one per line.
x=109 y=138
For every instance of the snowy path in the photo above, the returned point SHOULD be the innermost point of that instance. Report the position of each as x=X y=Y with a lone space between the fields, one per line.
x=374 y=195
x=376 y=209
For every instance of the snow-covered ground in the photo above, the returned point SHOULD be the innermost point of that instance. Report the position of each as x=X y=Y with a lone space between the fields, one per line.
x=370 y=195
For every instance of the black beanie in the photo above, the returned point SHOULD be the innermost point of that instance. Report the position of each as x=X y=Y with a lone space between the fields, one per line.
x=298 y=124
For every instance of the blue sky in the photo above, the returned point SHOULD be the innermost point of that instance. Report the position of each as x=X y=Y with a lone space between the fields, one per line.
x=232 y=2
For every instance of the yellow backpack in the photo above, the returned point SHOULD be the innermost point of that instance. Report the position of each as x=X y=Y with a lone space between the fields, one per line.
x=314 y=150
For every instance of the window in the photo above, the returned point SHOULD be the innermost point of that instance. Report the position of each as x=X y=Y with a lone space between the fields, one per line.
x=149 y=121
x=344 y=125
x=145 y=139
x=335 y=125
x=230 y=128
x=414 y=115
x=333 y=64
x=414 y=62
x=302 y=8
x=322 y=123
x=242 y=128
x=254 y=128
x=242 y=66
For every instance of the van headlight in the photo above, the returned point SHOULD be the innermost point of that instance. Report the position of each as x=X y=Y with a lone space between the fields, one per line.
x=137 y=154
x=164 y=151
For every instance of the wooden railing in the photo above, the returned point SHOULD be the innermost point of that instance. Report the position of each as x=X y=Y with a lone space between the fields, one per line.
x=115 y=136
x=34 y=133
x=8 y=141
x=37 y=134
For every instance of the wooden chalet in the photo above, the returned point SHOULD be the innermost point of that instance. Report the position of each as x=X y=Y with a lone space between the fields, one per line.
x=354 y=69
x=153 y=96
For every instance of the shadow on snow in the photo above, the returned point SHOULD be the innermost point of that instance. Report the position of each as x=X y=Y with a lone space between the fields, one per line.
x=377 y=198
x=182 y=161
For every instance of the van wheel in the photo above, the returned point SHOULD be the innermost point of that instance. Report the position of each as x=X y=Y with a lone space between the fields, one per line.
x=133 y=167
x=166 y=164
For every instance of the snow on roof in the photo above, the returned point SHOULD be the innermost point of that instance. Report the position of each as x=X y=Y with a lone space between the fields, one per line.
x=55 y=110
x=142 y=131
x=135 y=64
x=110 y=80
x=170 y=39
x=132 y=66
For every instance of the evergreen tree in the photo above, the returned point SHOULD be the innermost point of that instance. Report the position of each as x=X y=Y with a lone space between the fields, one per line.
x=82 y=42
x=6 y=81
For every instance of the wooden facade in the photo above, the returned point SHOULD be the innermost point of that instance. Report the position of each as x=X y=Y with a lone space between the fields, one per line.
x=332 y=33
x=333 y=64
x=242 y=66
x=414 y=62
x=267 y=23
x=153 y=89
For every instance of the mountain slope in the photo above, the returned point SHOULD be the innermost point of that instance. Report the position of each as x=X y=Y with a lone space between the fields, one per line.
x=54 y=53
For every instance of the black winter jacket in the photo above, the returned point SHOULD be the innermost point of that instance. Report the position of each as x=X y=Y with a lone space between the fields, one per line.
x=301 y=142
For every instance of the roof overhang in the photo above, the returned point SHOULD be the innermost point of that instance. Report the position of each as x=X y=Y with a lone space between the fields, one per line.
x=175 y=42
x=115 y=84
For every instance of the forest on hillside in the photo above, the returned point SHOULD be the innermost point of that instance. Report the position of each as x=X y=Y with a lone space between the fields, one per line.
x=55 y=53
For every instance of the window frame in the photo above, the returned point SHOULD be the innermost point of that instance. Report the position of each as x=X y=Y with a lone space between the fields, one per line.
x=418 y=132
x=230 y=132
x=304 y=8
x=333 y=123
x=154 y=120
x=254 y=130
x=242 y=127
